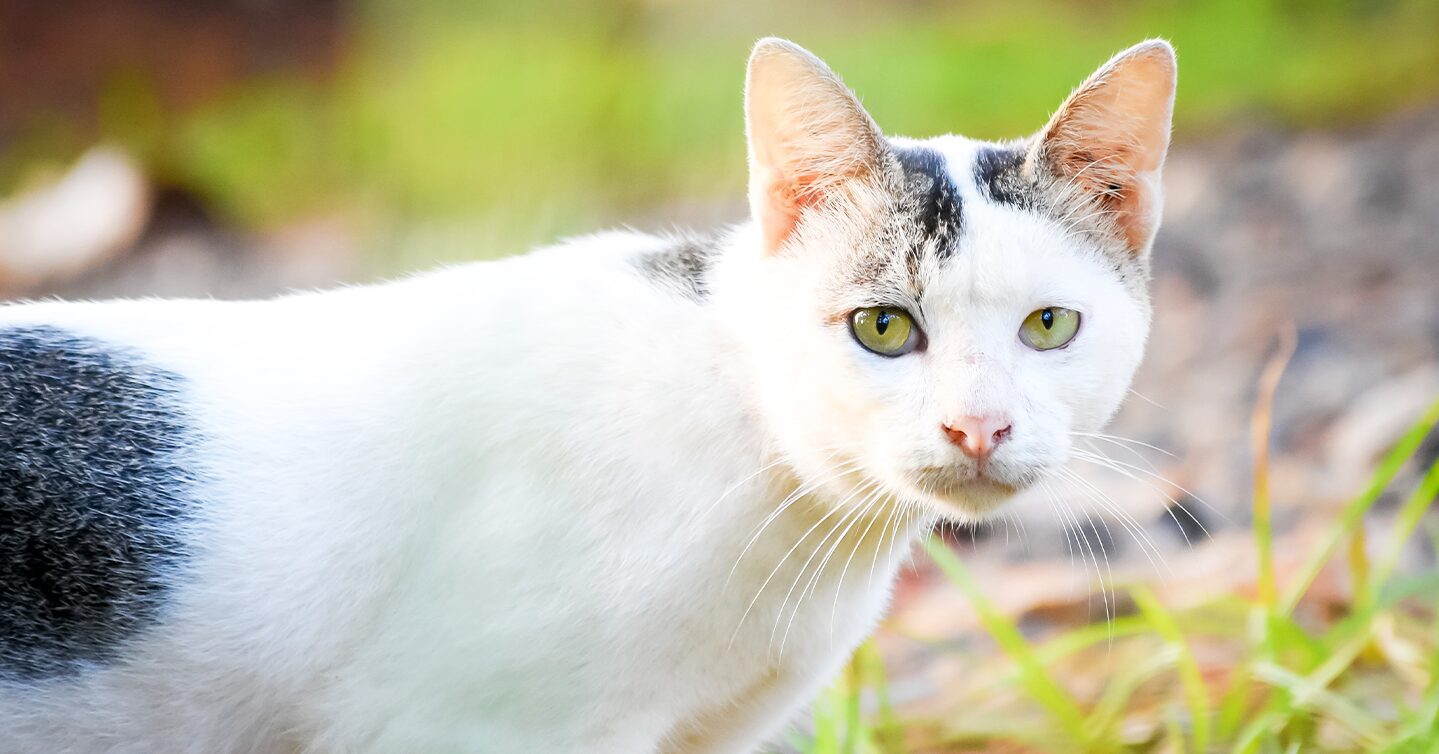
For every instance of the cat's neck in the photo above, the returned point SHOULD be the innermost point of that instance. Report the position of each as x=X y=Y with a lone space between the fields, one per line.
x=809 y=569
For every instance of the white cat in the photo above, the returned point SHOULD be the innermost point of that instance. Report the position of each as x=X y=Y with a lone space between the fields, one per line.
x=628 y=494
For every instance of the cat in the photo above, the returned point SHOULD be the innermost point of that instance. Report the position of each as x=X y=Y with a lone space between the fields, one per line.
x=631 y=493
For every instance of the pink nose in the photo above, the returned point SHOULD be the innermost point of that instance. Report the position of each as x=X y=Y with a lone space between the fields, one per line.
x=978 y=436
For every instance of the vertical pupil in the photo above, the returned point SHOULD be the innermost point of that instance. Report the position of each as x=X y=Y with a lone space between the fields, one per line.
x=1047 y=318
x=881 y=323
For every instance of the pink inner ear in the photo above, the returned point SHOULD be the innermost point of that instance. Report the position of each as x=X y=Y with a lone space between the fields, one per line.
x=1110 y=137
x=785 y=200
x=1110 y=177
x=808 y=137
x=1132 y=216
x=778 y=215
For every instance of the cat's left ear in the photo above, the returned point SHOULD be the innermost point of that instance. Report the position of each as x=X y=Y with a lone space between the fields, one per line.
x=809 y=138
x=1111 y=135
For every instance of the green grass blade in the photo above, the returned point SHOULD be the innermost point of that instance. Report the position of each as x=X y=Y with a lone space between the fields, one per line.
x=1315 y=683
x=1256 y=732
x=1235 y=702
x=1174 y=733
x=853 y=687
x=1081 y=638
x=1361 y=573
x=1422 y=727
x=1405 y=523
x=888 y=733
x=1196 y=694
x=1361 y=724
x=1033 y=677
x=1108 y=712
x=1407 y=446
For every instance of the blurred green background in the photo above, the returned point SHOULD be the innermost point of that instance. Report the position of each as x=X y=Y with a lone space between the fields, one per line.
x=241 y=148
x=526 y=121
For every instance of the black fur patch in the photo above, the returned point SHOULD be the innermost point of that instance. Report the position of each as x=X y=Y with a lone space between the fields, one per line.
x=999 y=174
x=93 y=499
x=934 y=197
x=682 y=266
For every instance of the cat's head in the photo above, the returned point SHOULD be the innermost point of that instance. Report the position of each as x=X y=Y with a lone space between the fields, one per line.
x=938 y=319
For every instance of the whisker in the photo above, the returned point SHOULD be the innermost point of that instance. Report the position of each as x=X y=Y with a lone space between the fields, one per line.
x=776 y=569
x=1107 y=463
x=834 y=609
x=1020 y=532
x=790 y=499
x=1100 y=459
x=1053 y=503
x=1104 y=461
x=732 y=488
x=1147 y=399
x=1121 y=441
x=897 y=518
x=894 y=511
x=860 y=509
x=1064 y=513
x=1136 y=532
x=841 y=506
x=1082 y=539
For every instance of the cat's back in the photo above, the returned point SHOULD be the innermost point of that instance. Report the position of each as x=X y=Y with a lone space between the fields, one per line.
x=200 y=501
x=172 y=481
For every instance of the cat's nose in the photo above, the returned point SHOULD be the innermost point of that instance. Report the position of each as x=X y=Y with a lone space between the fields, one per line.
x=978 y=436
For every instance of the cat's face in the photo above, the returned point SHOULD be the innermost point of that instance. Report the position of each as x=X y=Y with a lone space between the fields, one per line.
x=940 y=318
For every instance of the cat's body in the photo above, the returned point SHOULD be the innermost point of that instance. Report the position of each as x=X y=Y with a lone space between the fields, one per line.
x=576 y=501
x=447 y=548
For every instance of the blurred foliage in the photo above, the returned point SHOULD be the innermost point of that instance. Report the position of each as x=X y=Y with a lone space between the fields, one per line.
x=545 y=118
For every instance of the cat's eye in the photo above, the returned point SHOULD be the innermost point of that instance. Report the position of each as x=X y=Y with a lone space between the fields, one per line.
x=885 y=330
x=1049 y=328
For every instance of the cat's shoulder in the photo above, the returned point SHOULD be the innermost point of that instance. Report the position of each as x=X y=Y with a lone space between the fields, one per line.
x=676 y=263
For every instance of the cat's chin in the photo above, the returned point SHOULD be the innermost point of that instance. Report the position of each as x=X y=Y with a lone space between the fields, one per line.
x=971 y=499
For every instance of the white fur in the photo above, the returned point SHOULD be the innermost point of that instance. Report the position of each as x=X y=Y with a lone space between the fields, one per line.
x=535 y=505
x=478 y=510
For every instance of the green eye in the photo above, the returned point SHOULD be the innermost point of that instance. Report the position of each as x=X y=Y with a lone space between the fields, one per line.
x=1049 y=328
x=884 y=330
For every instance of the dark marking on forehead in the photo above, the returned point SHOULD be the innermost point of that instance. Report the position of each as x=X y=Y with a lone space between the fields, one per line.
x=931 y=197
x=683 y=266
x=999 y=173
x=94 y=496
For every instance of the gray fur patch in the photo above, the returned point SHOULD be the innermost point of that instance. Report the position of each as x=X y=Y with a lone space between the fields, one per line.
x=931 y=198
x=682 y=266
x=1003 y=177
x=93 y=501
x=999 y=173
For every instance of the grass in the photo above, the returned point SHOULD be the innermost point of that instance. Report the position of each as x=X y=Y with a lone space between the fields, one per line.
x=1276 y=672
x=558 y=116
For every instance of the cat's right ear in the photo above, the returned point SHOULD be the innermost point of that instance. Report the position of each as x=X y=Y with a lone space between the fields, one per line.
x=1110 y=137
x=808 y=137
